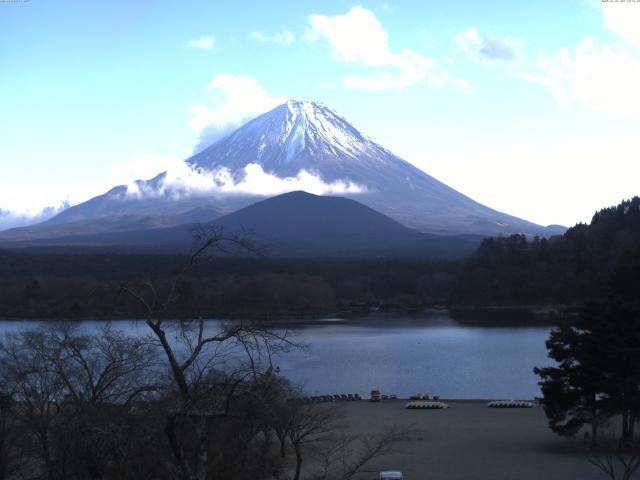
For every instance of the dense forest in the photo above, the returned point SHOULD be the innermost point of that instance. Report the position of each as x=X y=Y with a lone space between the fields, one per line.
x=573 y=268
x=570 y=269
x=89 y=286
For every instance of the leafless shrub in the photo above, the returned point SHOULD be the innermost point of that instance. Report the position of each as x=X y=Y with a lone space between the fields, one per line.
x=616 y=459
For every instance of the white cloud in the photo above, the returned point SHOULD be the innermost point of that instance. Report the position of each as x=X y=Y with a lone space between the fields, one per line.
x=597 y=75
x=257 y=181
x=487 y=48
x=623 y=18
x=463 y=86
x=203 y=43
x=234 y=100
x=358 y=37
x=279 y=38
x=13 y=219
x=143 y=166
x=181 y=180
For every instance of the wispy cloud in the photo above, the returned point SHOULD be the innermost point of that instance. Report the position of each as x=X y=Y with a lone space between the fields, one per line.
x=234 y=100
x=203 y=43
x=597 y=75
x=488 y=48
x=13 y=219
x=280 y=38
x=142 y=166
x=623 y=19
x=358 y=37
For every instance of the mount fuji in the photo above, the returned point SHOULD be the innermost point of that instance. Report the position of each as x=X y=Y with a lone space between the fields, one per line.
x=309 y=136
x=292 y=139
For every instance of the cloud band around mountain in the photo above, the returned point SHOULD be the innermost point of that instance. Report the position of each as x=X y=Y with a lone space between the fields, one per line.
x=185 y=181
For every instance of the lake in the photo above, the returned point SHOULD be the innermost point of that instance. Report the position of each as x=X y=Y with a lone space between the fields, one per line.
x=399 y=355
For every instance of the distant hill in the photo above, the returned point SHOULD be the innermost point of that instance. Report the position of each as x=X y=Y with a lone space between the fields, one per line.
x=299 y=223
x=290 y=225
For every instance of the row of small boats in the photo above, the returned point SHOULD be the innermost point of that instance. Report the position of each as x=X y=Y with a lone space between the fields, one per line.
x=416 y=402
x=425 y=405
x=338 y=397
x=511 y=404
x=438 y=405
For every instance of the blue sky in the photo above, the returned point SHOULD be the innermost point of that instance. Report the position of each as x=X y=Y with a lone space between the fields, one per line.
x=532 y=108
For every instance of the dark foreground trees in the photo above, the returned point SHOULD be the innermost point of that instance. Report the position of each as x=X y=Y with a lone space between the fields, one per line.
x=200 y=393
x=597 y=376
x=70 y=401
x=597 y=383
x=615 y=461
x=75 y=405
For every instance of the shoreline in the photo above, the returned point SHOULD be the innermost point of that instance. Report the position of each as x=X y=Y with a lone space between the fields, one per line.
x=480 y=315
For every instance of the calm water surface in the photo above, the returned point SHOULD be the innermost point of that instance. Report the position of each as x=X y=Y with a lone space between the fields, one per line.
x=402 y=356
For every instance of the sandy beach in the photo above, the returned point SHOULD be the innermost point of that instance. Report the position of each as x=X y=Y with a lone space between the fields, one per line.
x=470 y=441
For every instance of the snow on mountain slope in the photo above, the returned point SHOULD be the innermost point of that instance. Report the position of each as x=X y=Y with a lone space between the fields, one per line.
x=301 y=146
x=308 y=136
x=292 y=137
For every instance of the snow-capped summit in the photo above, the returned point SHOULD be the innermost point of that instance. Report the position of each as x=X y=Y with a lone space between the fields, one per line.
x=297 y=135
x=316 y=127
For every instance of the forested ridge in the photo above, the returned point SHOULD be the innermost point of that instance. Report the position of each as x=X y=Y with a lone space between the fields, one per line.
x=567 y=269
x=86 y=286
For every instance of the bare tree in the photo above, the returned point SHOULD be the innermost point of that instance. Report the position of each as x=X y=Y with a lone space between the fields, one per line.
x=36 y=390
x=194 y=353
x=310 y=425
x=10 y=436
x=283 y=414
x=616 y=459
x=101 y=368
x=71 y=393
x=349 y=455
x=317 y=432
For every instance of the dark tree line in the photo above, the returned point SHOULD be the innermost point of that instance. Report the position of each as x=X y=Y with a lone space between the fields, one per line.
x=573 y=268
x=85 y=286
